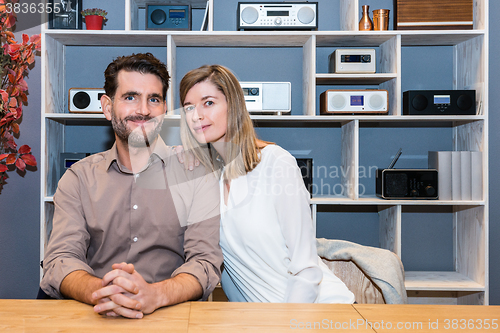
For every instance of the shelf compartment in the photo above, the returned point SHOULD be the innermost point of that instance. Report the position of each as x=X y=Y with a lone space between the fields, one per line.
x=440 y=281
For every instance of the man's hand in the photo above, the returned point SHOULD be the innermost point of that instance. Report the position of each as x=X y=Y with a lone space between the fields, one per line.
x=119 y=292
x=126 y=293
x=186 y=157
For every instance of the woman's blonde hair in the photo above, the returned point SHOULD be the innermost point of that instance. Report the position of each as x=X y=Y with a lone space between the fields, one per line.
x=242 y=152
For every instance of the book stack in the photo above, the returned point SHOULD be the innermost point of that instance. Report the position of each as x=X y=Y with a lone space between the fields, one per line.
x=460 y=175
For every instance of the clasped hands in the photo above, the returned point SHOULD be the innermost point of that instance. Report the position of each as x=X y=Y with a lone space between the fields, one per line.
x=125 y=293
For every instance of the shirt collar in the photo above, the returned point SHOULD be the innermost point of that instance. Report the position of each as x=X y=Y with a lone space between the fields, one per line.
x=161 y=150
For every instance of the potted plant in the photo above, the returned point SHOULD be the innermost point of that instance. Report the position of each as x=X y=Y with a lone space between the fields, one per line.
x=16 y=60
x=94 y=18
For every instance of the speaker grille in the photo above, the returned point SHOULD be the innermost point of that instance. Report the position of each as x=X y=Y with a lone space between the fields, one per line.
x=396 y=184
x=337 y=101
x=376 y=101
x=249 y=15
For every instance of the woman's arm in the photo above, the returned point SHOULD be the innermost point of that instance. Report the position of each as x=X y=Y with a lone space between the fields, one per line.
x=294 y=215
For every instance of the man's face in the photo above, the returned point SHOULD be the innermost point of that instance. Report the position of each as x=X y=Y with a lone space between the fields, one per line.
x=137 y=108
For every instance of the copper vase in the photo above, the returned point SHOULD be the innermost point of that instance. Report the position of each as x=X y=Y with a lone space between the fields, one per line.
x=365 y=23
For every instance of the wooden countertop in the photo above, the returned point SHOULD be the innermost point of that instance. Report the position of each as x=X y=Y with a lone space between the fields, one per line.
x=42 y=316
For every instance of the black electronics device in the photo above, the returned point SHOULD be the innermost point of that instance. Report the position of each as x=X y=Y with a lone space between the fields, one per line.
x=406 y=183
x=306 y=169
x=68 y=159
x=170 y=16
x=439 y=102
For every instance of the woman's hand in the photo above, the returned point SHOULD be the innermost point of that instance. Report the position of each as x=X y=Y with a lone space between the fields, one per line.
x=186 y=158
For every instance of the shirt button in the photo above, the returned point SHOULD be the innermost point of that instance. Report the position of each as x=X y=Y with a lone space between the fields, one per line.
x=135 y=239
x=134 y=207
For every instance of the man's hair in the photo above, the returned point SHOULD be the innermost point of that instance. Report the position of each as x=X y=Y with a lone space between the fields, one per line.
x=144 y=63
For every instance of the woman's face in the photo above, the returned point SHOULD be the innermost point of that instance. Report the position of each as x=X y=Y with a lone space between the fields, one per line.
x=206 y=112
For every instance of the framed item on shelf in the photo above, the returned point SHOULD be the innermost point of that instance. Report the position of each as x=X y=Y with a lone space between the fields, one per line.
x=65 y=14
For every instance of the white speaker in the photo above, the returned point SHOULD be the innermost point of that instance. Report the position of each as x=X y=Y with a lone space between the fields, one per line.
x=354 y=101
x=267 y=96
x=85 y=100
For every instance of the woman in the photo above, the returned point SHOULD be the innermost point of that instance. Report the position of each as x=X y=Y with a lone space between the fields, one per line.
x=266 y=229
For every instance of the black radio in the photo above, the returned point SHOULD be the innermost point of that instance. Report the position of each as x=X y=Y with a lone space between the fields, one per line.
x=439 y=102
x=406 y=183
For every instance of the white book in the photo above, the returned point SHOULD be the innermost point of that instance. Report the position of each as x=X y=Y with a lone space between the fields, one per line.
x=456 y=177
x=476 y=167
x=441 y=161
x=465 y=174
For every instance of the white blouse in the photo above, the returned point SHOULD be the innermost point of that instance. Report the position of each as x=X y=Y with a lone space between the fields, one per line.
x=267 y=238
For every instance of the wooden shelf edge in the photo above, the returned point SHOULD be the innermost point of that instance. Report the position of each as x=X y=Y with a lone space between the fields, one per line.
x=440 y=281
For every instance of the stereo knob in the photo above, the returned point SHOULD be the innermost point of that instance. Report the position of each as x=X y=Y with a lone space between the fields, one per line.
x=464 y=102
x=419 y=102
x=254 y=91
x=158 y=16
x=430 y=191
x=366 y=58
x=81 y=100
x=249 y=15
x=306 y=15
x=278 y=21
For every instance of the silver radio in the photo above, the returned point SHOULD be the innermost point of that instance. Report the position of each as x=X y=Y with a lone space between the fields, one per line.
x=277 y=15
x=85 y=100
x=354 y=101
x=352 y=61
x=267 y=96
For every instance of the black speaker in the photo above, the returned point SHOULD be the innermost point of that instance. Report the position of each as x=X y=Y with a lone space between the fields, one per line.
x=439 y=102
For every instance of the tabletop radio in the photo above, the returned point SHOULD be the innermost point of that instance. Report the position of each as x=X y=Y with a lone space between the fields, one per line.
x=352 y=61
x=277 y=15
x=168 y=16
x=85 y=100
x=354 y=101
x=406 y=183
x=267 y=96
x=439 y=102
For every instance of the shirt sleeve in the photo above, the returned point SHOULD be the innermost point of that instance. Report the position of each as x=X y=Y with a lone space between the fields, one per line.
x=203 y=256
x=69 y=239
x=294 y=214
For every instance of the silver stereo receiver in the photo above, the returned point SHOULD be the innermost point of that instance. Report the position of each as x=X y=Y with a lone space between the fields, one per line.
x=352 y=61
x=354 y=101
x=277 y=15
x=267 y=96
x=85 y=100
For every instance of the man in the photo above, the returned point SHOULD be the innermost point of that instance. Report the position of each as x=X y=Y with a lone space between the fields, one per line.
x=132 y=230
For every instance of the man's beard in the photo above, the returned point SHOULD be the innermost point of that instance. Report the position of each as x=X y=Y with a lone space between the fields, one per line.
x=143 y=135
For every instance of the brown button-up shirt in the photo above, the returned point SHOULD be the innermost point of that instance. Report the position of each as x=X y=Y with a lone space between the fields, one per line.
x=164 y=220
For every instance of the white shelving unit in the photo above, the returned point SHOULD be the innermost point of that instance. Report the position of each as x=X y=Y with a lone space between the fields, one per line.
x=468 y=283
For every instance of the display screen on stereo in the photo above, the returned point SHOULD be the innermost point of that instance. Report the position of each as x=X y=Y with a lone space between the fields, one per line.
x=357 y=100
x=442 y=99
x=277 y=13
x=250 y=91
x=177 y=13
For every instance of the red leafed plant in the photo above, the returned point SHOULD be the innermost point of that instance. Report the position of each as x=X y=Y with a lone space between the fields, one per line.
x=15 y=61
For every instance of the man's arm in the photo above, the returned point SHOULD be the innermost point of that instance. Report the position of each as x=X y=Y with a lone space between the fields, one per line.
x=80 y=285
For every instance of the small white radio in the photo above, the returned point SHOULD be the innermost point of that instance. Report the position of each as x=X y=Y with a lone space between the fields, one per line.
x=85 y=100
x=277 y=15
x=267 y=96
x=354 y=101
x=352 y=61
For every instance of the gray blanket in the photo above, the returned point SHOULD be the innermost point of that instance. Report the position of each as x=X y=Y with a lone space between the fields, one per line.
x=382 y=266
